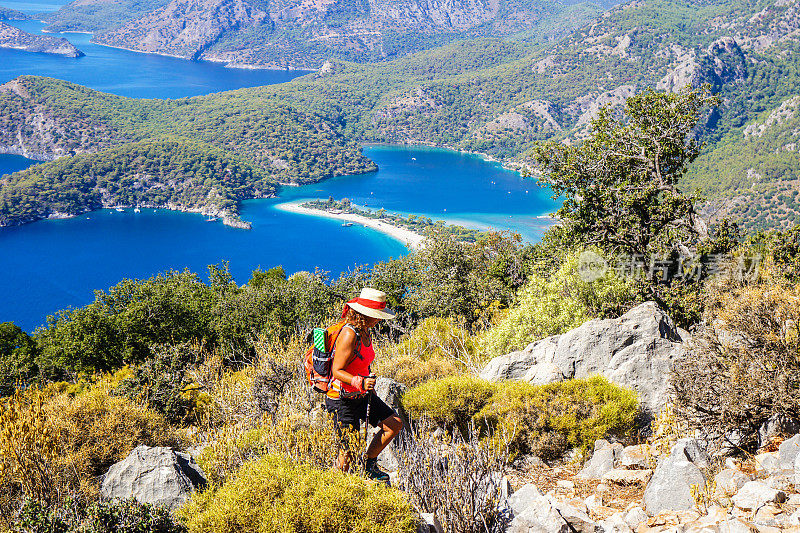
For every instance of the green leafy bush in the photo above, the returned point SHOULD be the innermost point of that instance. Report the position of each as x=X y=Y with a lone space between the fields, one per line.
x=548 y=420
x=126 y=516
x=275 y=494
x=451 y=401
x=552 y=306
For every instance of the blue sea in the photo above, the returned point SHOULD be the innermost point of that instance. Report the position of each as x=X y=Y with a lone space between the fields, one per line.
x=55 y=264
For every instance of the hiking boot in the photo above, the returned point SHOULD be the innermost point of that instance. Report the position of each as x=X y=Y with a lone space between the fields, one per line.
x=373 y=472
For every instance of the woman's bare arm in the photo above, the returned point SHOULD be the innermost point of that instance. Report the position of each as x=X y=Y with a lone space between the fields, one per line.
x=343 y=355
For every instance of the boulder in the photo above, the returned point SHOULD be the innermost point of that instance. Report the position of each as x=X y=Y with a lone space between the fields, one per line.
x=534 y=513
x=158 y=476
x=729 y=481
x=636 y=350
x=603 y=460
x=755 y=494
x=516 y=364
x=670 y=487
x=635 y=516
x=621 y=476
x=615 y=524
x=767 y=463
x=690 y=450
x=391 y=392
x=638 y=456
x=788 y=451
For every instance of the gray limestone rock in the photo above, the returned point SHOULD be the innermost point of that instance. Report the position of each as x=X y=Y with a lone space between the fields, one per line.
x=603 y=460
x=638 y=456
x=729 y=481
x=767 y=463
x=788 y=451
x=690 y=450
x=534 y=513
x=636 y=350
x=158 y=476
x=670 y=487
x=515 y=365
x=755 y=494
x=635 y=516
x=391 y=392
x=778 y=425
x=615 y=524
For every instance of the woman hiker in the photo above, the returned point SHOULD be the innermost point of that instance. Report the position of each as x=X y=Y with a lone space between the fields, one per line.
x=353 y=385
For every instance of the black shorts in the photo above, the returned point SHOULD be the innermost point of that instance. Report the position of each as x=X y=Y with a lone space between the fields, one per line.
x=350 y=412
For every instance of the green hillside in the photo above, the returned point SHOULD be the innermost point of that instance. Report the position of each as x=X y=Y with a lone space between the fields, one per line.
x=496 y=96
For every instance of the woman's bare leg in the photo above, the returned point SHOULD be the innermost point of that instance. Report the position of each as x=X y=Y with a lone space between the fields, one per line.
x=390 y=428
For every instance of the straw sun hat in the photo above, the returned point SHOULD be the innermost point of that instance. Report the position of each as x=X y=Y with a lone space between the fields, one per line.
x=370 y=302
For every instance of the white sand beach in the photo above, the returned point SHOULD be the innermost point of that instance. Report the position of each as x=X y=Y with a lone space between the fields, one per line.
x=409 y=238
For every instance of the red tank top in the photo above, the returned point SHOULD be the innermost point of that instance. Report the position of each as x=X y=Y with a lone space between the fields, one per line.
x=359 y=366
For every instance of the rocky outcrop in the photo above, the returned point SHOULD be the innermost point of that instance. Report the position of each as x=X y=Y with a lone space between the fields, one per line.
x=636 y=350
x=14 y=38
x=158 y=476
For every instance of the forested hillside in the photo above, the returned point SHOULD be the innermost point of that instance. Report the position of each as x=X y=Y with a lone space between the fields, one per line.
x=177 y=173
x=303 y=34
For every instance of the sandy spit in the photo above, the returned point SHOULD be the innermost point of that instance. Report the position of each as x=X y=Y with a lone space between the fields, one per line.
x=410 y=239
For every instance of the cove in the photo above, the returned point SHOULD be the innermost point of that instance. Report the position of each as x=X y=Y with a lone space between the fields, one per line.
x=54 y=264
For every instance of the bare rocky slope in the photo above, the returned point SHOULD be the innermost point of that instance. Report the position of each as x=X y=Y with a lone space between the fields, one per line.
x=11 y=37
x=305 y=33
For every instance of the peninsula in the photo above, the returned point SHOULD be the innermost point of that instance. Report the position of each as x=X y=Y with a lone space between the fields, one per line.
x=14 y=38
x=12 y=14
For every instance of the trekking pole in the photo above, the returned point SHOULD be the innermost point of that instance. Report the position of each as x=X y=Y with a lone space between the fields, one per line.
x=366 y=422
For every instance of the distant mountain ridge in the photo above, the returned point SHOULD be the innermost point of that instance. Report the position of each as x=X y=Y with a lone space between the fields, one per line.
x=305 y=33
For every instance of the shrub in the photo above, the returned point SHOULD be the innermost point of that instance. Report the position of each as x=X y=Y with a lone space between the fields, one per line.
x=548 y=420
x=552 y=306
x=275 y=494
x=301 y=439
x=17 y=357
x=742 y=367
x=159 y=382
x=435 y=349
x=458 y=478
x=96 y=429
x=451 y=401
x=74 y=516
x=54 y=443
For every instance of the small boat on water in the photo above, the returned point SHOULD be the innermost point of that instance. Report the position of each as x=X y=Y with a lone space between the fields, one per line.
x=211 y=219
x=347 y=224
x=137 y=210
x=118 y=209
